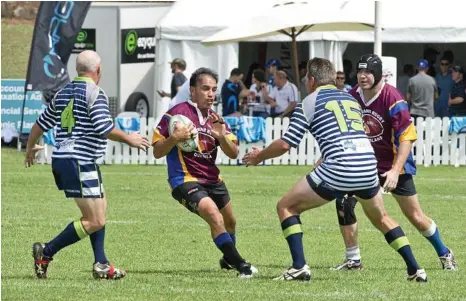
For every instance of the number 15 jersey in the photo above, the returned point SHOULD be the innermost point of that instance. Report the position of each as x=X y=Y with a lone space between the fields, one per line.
x=334 y=118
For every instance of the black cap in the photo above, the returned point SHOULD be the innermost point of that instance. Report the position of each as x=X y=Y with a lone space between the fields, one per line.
x=373 y=64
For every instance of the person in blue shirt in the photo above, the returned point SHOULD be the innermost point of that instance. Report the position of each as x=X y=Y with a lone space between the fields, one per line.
x=233 y=90
x=444 y=83
x=272 y=66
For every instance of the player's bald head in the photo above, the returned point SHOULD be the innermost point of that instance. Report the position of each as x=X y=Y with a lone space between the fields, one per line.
x=280 y=74
x=87 y=62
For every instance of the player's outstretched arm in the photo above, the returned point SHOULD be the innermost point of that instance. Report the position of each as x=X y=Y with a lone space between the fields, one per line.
x=134 y=139
x=292 y=138
x=275 y=149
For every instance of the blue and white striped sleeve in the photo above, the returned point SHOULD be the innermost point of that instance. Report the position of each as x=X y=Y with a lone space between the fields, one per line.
x=47 y=119
x=99 y=113
x=297 y=128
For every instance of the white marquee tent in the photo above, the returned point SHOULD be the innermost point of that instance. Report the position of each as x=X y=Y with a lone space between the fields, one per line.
x=189 y=22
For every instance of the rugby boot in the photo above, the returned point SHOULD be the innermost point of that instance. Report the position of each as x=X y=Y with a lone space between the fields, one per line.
x=448 y=262
x=302 y=274
x=41 y=262
x=348 y=264
x=419 y=276
x=107 y=271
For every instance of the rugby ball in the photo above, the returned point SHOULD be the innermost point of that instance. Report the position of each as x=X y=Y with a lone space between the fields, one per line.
x=189 y=145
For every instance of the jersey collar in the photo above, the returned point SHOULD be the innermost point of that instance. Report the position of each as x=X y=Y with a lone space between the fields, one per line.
x=83 y=79
x=326 y=87
x=202 y=120
x=370 y=101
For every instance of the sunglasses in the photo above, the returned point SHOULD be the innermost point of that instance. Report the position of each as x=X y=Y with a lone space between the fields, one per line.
x=340 y=78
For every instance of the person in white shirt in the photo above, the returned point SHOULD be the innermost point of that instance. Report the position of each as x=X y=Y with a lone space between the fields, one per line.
x=261 y=108
x=182 y=95
x=283 y=97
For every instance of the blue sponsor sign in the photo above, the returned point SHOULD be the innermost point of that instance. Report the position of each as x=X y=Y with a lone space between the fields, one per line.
x=12 y=102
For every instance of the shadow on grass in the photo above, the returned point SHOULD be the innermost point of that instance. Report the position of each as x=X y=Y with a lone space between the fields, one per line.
x=174 y=272
x=216 y=274
x=284 y=267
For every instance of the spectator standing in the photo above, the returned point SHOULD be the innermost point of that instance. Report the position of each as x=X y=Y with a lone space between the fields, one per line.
x=456 y=102
x=272 y=66
x=421 y=93
x=445 y=83
x=178 y=67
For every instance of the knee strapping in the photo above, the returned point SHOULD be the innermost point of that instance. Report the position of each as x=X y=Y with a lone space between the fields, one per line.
x=345 y=210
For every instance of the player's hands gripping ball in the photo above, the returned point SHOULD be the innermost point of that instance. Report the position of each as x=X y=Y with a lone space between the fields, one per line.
x=182 y=133
x=183 y=130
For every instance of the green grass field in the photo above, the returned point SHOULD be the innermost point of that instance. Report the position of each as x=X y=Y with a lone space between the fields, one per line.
x=170 y=256
x=16 y=44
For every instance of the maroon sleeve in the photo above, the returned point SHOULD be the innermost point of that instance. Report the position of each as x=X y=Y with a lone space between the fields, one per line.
x=403 y=127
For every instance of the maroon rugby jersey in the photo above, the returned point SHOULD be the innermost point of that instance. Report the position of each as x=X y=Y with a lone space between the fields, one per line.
x=198 y=166
x=387 y=122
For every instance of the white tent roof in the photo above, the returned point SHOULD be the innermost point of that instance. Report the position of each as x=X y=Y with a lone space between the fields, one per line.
x=403 y=21
x=277 y=19
x=408 y=21
x=195 y=20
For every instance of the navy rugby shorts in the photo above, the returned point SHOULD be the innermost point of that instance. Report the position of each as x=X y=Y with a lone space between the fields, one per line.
x=79 y=179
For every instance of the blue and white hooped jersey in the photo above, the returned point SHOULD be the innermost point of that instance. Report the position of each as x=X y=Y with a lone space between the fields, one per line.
x=81 y=115
x=334 y=118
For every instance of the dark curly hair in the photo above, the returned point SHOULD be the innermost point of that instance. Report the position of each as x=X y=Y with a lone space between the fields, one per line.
x=259 y=75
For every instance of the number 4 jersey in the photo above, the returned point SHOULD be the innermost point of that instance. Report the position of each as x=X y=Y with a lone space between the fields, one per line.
x=334 y=118
x=82 y=118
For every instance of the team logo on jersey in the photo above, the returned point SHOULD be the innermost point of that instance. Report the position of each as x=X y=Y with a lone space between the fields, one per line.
x=206 y=144
x=349 y=145
x=373 y=125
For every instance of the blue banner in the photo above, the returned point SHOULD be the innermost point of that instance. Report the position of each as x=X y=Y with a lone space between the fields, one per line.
x=12 y=101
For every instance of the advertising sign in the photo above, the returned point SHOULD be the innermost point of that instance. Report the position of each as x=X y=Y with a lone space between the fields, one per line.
x=12 y=101
x=138 y=45
x=85 y=40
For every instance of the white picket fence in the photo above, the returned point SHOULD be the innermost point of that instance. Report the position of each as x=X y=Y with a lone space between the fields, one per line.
x=438 y=147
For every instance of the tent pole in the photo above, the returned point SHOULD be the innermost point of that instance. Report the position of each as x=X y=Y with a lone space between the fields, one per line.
x=295 y=56
x=378 y=28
